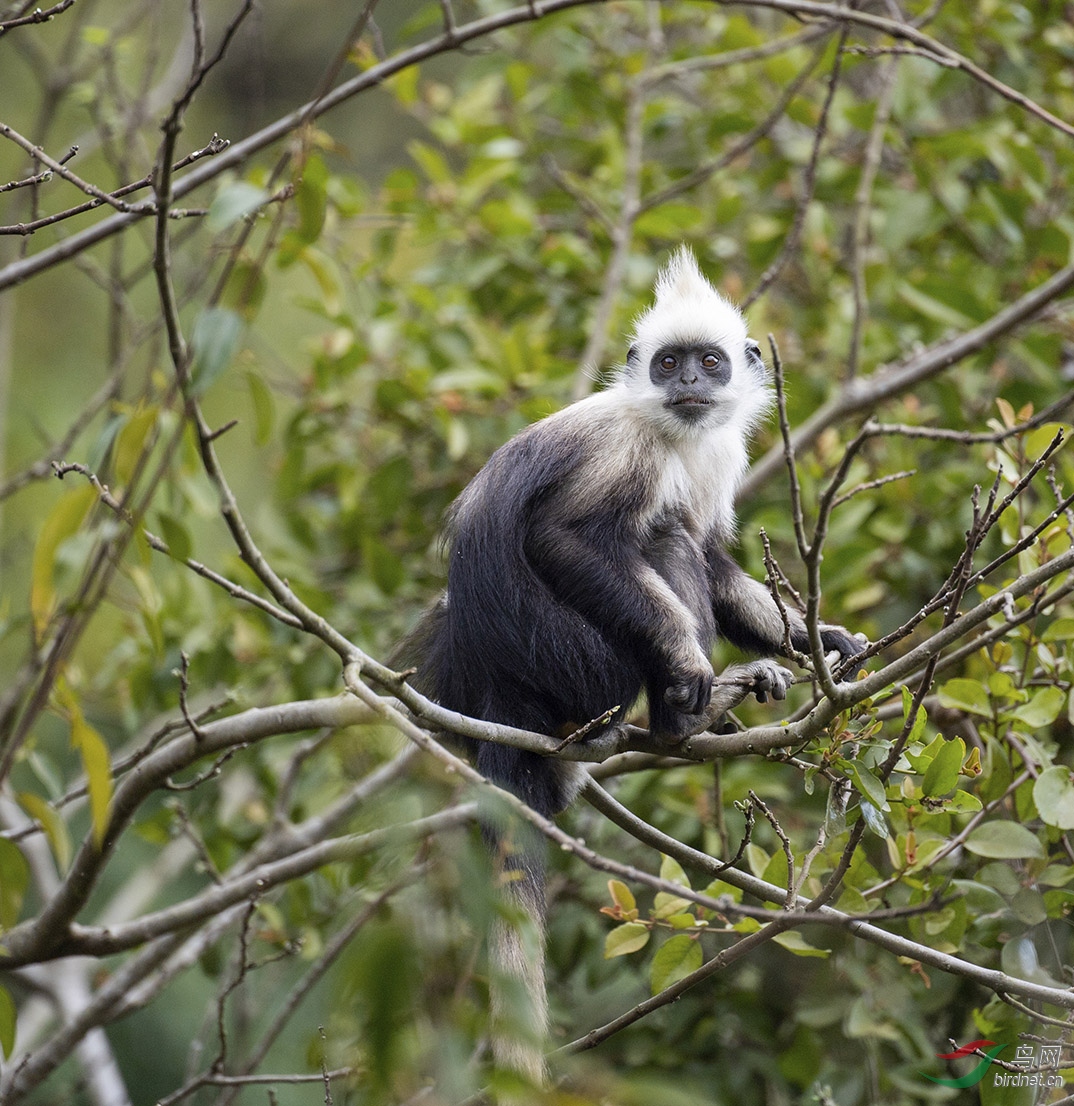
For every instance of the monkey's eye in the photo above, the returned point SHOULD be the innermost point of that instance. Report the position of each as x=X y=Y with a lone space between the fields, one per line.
x=710 y=360
x=667 y=362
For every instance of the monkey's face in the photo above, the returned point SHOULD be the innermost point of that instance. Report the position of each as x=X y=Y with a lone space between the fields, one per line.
x=693 y=366
x=706 y=382
x=691 y=378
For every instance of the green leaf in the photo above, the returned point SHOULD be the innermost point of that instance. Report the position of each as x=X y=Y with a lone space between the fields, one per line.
x=264 y=408
x=404 y=85
x=1004 y=841
x=794 y=942
x=1019 y=958
x=311 y=198
x=624 y=939
x=933 y=308
x=1043 y=709
x=98 y=768
x=676 y=958
x=62 y=522
x=131 y=442
x=8 y=1018
x=1053 y=794
x=233 y=202
x=717 y=889
x=432 y=162
x=54 y=826
x=918 y=728
x=670 y=220
x=1028 y=906
x=803 y=1061
x=921 y=760
x=622 y=896
x=874 y=820
x=176 y=535
x=967 y=695
x=95 y=760
x=867 y=784
x=468 y=378
x=14 y=879
x=217 y=335
x=682 y=921
x=962 y=802
x=245 y=288
x=327 y=276
x=1062 y=629
x=671 y=870
x=941 y=776
x=1038 y=439
x=665 y=905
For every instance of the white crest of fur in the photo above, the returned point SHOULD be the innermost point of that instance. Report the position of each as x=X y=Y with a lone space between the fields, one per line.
x=688 y=310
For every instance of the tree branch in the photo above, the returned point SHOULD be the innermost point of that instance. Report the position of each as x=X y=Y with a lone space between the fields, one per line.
x=865 y=394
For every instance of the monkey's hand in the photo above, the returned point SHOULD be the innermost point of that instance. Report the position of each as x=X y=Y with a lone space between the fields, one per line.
x=837 y=640
x=763 y=679
x=769 y=678
x=690 y=687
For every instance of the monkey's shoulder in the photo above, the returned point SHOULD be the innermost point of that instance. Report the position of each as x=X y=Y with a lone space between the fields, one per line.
x=546 y=453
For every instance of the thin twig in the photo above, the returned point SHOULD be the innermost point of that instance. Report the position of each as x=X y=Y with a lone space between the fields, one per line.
x=788 y=850
x=809 y=180
x=158 y=544
x=38 y=15
x=870 y=163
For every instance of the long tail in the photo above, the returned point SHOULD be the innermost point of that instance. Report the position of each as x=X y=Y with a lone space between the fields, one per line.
x=518 y=999
x=518 y=996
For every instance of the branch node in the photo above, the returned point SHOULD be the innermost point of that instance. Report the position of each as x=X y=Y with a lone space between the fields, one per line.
x=229 y=425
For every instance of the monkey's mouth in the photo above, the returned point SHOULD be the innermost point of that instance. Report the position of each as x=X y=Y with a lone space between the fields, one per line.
x=691 y=401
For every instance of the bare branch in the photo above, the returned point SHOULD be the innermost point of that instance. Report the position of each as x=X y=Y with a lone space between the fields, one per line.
x=160 y=546
x=60 y=169
x=38 y=15
x=874 y=148
x=908 y=32
x=865 y=394
x=215 y=146
x=809 y=180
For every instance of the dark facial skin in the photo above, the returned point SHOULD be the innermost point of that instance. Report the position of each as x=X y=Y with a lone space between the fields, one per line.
x=691 y=377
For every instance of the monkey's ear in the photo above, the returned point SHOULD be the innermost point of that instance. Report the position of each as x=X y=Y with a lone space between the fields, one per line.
x=632 y=356
x=754 y=357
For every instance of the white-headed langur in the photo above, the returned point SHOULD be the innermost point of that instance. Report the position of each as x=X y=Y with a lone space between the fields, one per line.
x=588 y=565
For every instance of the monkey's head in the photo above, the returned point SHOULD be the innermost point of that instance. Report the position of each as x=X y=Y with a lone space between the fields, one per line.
x=692 y=363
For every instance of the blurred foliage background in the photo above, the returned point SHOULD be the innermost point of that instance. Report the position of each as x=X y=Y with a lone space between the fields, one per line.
x=380 y=300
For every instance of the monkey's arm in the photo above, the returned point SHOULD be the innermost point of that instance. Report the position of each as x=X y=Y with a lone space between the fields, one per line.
x=598 y=570
x=747 y=615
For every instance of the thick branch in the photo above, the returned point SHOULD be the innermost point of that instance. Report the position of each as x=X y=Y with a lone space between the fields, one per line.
x=248 y=885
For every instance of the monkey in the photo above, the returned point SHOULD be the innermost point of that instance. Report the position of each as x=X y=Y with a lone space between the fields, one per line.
x=588 y=566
